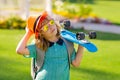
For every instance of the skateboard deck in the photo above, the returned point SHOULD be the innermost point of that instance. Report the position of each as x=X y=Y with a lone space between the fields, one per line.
x=70 y=36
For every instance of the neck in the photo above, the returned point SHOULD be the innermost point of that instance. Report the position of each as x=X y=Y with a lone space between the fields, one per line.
x=53 y=39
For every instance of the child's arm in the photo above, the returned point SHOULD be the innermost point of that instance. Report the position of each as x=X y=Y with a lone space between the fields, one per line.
x=21 y=48
x=78 y=58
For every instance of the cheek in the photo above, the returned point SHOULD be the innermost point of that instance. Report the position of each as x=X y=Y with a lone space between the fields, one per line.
x=45 y=34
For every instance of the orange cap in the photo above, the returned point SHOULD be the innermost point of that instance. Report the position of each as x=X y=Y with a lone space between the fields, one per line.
x=30 y=22
x=34 y=23
x=40 y=20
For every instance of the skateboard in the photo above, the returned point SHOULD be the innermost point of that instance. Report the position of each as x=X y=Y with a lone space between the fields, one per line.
x=79 y=38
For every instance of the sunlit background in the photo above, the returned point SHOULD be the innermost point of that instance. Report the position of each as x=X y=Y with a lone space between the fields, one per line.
x=102 y=16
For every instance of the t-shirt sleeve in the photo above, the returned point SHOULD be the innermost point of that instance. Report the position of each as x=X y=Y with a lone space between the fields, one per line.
x=73 y=55
x=32 y=51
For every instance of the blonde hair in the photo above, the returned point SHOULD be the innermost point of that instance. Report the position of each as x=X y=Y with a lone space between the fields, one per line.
x=42 y=43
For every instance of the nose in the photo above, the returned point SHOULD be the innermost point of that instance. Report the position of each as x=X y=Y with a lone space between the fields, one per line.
x=50 y=27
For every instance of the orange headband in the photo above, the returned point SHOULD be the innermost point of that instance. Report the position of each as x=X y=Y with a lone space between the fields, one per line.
x=39 y=21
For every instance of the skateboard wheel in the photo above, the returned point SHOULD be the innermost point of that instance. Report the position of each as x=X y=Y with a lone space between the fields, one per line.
x=80 y=36
x=92 y=35
x=66 y=23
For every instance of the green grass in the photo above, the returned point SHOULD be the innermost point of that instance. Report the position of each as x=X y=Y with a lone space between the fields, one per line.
x=107 y=9
x=12 y=65
x=102 y=65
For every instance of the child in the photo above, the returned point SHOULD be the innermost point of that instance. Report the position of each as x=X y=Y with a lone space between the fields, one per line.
x=50 y=50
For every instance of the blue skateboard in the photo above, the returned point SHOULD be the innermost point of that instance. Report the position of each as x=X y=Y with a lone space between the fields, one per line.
x=70 y=36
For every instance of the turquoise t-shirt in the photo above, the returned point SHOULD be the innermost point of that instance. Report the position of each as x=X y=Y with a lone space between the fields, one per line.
x=56 y=65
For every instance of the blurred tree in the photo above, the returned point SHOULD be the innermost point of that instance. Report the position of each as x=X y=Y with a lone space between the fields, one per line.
x=81 y=1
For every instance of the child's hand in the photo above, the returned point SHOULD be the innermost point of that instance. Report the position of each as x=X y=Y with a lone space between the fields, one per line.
x=30 y=32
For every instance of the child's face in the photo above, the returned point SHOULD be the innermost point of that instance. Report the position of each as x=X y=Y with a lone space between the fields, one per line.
x=49 y=29
x=46 y=27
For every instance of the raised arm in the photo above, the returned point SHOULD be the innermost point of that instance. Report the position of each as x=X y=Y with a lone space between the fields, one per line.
x=21 y=48
x=78 y=58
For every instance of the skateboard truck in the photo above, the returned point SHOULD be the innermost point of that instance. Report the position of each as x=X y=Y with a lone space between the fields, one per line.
x=92 y=35
x=65 y=24
x=81 y=35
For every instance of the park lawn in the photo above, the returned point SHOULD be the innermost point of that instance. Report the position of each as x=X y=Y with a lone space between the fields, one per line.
x=107 y=9
x=12 y=65
x=101 y=65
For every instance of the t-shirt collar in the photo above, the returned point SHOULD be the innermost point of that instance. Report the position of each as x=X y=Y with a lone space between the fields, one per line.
x=59 y=42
